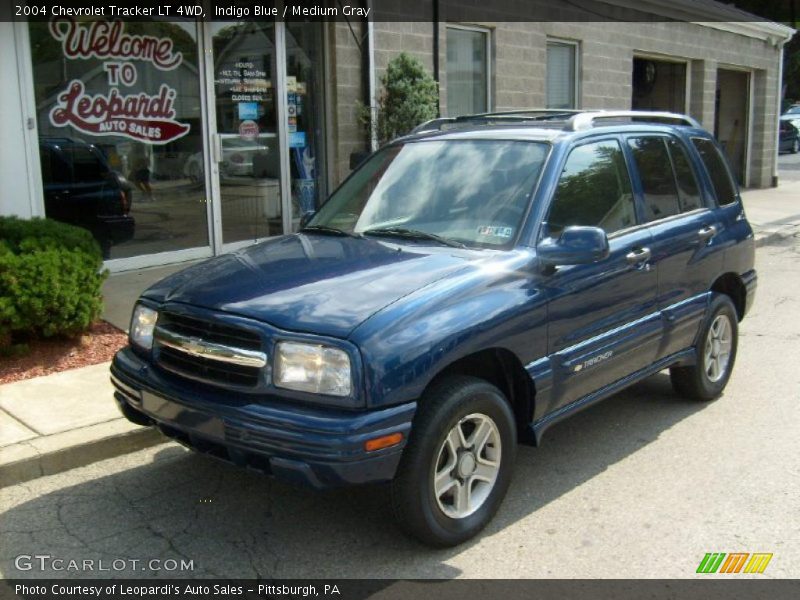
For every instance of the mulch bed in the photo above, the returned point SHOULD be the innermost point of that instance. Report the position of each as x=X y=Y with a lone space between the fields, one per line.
x=97 y=345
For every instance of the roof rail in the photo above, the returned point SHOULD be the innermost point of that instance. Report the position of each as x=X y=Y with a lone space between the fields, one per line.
x=585 y=120
x=508 y=116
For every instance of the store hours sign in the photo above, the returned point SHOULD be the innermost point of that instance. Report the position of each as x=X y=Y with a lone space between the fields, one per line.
x=121 y=111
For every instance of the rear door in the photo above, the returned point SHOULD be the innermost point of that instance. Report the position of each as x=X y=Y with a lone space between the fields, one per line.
x=684 y=232
x=602 y=318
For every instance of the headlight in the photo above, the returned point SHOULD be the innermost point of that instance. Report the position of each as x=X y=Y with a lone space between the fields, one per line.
x=143 y=323
x=312 y=368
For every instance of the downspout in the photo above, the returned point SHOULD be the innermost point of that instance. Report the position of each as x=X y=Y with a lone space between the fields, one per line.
x=372 y=99
x=436 y=40
x=779 y=103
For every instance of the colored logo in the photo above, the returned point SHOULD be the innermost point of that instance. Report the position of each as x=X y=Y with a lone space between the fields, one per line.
x=735 y=562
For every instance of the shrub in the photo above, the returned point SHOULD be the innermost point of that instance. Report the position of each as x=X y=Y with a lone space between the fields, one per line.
x=50 y=279
x=410 y=97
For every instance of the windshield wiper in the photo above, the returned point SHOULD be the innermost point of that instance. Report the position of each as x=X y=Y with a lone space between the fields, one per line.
x=413 y=233
x=330 y=230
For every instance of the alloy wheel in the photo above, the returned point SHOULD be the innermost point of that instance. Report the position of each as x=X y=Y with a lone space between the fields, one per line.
x=467 y=466
x=718 y=348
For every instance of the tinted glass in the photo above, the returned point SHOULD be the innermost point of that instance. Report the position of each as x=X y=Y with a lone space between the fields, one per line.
x=655 y=172
x=86 y=165
x=54 y=168
x=594 y=190
x=717 y=170
x=474 y=192
x=688 y=190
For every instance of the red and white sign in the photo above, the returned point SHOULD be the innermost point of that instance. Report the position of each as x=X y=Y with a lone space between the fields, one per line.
x=143 y=117
x=248 y=130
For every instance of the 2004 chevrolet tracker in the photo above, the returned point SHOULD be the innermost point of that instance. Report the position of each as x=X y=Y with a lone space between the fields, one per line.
x=465 y=288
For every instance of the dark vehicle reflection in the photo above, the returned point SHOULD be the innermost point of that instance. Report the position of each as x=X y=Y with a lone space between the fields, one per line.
x=80 y=188
x=789 y=140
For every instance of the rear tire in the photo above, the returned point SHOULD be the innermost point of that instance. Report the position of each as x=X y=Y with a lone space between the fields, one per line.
x=795 y=146
x=458 y=463
x=716 y=354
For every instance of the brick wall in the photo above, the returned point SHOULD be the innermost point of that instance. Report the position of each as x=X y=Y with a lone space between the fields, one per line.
x=606 y=54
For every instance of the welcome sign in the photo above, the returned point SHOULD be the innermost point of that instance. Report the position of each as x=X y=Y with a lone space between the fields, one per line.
x=139 y=116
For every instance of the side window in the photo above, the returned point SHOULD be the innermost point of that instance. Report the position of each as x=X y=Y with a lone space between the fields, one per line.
x=688 y=190
x=594 y=189
x=717 y=170
x=655 y=171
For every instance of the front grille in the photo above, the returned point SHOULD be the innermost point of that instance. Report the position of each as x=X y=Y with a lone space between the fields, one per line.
x=220 y=333
x=207 y=368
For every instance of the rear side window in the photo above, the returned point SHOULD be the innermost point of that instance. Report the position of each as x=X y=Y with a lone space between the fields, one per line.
x=594 y=189
x=688 y=190
x=717 y=170
x=655 y=171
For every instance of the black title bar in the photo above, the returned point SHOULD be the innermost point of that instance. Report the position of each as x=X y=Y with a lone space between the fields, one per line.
x=475 y=11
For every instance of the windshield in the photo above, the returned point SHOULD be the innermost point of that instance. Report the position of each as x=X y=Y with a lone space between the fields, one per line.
x=473 y=192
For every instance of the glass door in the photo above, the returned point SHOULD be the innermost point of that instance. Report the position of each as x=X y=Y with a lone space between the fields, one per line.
x=246 y=144
x=305 y=116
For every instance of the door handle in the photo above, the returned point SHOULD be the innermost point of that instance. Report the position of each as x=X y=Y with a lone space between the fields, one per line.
x=707 y=232
x=638 y=256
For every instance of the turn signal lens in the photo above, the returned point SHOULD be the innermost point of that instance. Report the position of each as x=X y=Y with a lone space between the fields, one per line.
x=384 y=441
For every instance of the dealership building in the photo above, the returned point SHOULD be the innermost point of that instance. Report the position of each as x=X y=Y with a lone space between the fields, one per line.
x=215 y=135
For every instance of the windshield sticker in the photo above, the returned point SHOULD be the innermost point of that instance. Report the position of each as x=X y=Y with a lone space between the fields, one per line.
x=496 y=231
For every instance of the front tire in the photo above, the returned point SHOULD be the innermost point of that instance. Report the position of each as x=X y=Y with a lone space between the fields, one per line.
x=716 y=354
x=458 y=463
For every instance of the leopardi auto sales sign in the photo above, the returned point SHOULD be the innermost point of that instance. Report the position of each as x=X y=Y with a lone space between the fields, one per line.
x=140 y=116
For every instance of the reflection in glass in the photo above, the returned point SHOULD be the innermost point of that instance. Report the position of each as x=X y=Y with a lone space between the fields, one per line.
x=471 y=192
x=113 y=143
x=305 y=132
x=250 y=166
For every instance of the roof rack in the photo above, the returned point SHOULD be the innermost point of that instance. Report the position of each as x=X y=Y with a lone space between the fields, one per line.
x=500 y=117
x=585 y=120
x=575 y=120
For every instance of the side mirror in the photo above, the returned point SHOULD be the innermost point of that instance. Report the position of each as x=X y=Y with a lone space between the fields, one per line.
x=306 y=217
x=577 y=245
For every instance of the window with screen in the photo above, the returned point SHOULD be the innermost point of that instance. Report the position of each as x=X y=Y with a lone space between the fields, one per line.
x=721 y=179
x=594 y=189
x=688 y=191
x=655 y=172
x=561 y=74
x=467 y=71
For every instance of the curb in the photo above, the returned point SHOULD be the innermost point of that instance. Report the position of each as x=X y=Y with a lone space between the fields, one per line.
x=60 y=452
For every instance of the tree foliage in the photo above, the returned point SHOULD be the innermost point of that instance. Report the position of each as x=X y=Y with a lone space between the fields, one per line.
x=410 y=96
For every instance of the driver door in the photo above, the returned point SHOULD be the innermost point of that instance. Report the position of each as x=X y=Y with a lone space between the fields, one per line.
x=603 y=322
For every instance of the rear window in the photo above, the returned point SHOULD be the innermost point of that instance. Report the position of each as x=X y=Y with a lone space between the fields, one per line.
x=655 y=172
x=689 y=191
x=721 y=179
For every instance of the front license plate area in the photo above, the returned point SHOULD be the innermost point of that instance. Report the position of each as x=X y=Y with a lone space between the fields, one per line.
x=183 y=417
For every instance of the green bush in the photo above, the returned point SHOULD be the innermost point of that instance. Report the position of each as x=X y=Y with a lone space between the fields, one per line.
x=410 y=97
x=50 y=279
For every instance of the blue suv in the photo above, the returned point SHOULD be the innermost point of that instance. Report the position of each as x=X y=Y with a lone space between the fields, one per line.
x=467 y=287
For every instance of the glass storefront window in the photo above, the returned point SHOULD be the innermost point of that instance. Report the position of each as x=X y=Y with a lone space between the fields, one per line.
x=120 y=128
x=245 y=65
x=305 y=116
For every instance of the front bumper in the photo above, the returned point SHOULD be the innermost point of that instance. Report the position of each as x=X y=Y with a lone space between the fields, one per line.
x=315 y=446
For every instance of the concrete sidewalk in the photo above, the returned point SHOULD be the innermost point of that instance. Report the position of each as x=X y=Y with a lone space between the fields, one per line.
x=57 y=422
x=774 y=213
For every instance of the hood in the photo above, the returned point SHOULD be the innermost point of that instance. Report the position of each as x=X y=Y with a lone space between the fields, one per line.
x=309 y=282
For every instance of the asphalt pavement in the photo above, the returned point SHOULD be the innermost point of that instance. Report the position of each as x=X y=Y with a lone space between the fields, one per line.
x=641 y=485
